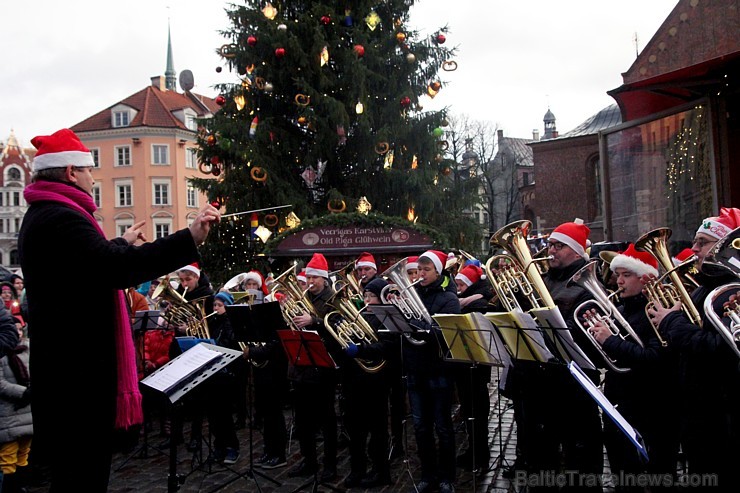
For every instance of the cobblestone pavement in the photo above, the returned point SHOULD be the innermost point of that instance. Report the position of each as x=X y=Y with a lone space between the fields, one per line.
x=138 y=472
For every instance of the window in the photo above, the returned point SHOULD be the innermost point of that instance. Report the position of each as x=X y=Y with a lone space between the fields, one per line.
x=96 y=195
x=161 y=228
x=191 y=122
x=192 y=196
x=2 y=225
x=16 y=198
x=14 y=174
x=96 y=157
x=161 y=192
x=191 y=158
x=124 y=194
x=17 y=224
x=2 y=201
x=14 y=258
x=160 y=154
x=123 y=155
x=122 y=225
x=120 y=119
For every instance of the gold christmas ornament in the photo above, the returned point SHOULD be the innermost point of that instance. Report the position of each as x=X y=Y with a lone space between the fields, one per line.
x=258 y=174
x=410 y=58
x=302 y=100
x=240 y=102
x=449 y=65
x=364 y=206
x=359 y=108
x=292 y=220
x=336 y=206
x=269 y=11
x=382 y=147
x=271 y=220
x=324 y=57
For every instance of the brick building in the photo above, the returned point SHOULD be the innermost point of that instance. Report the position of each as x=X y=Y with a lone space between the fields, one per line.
x=15 y=174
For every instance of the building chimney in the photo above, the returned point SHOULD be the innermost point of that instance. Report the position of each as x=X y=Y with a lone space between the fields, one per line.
x=159 y=82
x=500 y=135
x=536 y=135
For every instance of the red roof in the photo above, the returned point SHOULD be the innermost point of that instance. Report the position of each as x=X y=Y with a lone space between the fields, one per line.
x=154 y=109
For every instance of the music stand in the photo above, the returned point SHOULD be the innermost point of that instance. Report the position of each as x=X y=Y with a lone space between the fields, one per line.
x=305 y=348
x=181 y=375
x=255 y=324
x=142 y=322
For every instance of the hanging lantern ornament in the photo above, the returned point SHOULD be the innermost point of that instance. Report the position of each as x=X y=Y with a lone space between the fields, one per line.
x=252 y=40
x=364 y=206
x=325 y=20
x=279 y=52
x=359 y=51
x=440 y=39
x=220 y=100
x=324 y=57
x=269 y=11
x=372 y=20
x=405 y=102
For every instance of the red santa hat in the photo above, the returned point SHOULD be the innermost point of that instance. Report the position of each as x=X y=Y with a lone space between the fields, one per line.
x=575 y=235
x=302 y=276
x=470 y=274
x=194 y=268
x=412 y=262
x=256 y=276
x=640 y=263
x=366 y=260
x=682 y=256
x=719 y=227
x=439 y=259
x=61 y=149
x=317 y=266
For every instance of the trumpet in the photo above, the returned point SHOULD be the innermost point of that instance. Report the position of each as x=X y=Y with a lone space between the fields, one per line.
x=724 y=257
x=607 y=313
x=666 y=295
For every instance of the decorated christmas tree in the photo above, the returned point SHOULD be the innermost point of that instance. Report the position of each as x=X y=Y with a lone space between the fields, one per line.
x=325 y=114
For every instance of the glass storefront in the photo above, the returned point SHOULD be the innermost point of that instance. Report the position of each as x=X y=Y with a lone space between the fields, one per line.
x=660 y=174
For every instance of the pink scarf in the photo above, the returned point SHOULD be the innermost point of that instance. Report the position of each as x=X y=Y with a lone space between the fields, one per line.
x=128 y=397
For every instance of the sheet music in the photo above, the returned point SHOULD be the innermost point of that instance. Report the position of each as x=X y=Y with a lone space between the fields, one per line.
x=521 y=334
x=181 y=367
x=471 y=337
x=607 y=407
x=553 y=319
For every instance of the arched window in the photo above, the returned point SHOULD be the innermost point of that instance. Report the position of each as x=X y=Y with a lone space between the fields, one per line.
x=14 y=260
x=14 y=174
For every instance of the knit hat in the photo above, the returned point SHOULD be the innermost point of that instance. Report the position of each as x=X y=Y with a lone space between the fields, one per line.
x=317 y=266
x=719 y=227
x=640 y=263
x=194 y=268
x=439 y=259
x=301 y=276
x=224 y=297
x=376 y=286
x=682 y=256
x=61 y=149
x=470 y=274
x=366 y=260
x=575 y=235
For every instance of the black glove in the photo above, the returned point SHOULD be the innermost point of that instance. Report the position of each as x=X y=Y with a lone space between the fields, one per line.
x=24 y=400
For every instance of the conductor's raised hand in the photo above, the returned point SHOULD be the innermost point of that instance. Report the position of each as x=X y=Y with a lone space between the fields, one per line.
x=135 y=232
x=207 y=216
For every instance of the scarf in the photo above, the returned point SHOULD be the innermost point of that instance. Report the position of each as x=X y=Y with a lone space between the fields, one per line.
x=20 y=371
x=128 y=397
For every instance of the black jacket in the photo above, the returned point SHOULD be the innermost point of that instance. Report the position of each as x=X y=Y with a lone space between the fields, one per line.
x=482 y=287
x=8 y=332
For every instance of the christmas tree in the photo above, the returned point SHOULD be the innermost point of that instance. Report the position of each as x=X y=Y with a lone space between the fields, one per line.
x=325 y=114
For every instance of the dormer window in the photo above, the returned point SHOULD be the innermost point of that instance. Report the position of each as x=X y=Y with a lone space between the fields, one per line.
x=121 y=119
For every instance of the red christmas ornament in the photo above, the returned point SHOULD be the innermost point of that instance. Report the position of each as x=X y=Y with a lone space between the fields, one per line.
x=215 y=160
x=280 y=52
x=405 y=102
x=325 y=20
x=215 y=171
x=440 y=39
x=252 y=40
x=359 y=50
x=220 y=100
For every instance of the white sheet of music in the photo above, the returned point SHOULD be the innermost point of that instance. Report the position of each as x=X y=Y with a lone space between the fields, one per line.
x=181 y=367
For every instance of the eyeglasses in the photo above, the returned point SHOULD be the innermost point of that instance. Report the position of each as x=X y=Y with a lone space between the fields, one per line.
x=701 y=242
x=556 y=245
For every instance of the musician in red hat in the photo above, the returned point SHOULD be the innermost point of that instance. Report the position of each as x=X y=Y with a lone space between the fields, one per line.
x=709 y=379
x=365 y=268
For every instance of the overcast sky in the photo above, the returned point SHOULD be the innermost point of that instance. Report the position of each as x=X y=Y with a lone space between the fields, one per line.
x=65 y=61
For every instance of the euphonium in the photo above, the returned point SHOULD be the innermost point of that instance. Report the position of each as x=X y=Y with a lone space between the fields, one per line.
x=347 y=326
x=296 y=303
x=723 y=257
x=666 y=295
x=521 y=274
x=401 y=293
x=606 y=312
x=181 y=312
x=345 y=278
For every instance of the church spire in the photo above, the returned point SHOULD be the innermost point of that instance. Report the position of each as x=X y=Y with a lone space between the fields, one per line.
x=169 y=73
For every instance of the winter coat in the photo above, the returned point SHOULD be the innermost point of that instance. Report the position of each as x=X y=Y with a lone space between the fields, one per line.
x=14 y=423
x=57 y=239
x=8 y=332
x=483 y=288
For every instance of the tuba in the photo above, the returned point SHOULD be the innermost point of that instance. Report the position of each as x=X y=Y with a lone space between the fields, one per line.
x=182 y=312
x=607 y=313
x=296 y=303
x=723 y=258
x=346 y=280
x=347 y=326
x=666 y=295
x=401 y=293
x=521 y=275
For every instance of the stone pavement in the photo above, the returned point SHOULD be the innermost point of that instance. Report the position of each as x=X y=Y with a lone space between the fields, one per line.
x=134 y=473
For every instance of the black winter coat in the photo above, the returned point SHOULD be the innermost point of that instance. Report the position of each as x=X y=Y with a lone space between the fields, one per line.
x=8 y=332
x=57 y=242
